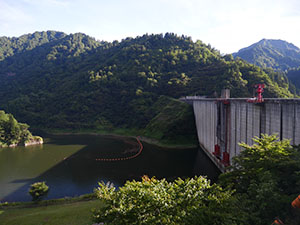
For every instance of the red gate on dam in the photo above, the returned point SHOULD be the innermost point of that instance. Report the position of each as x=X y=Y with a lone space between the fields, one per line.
x=223 y=123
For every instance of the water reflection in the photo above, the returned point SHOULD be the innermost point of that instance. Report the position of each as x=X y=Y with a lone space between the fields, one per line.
x=67 y=164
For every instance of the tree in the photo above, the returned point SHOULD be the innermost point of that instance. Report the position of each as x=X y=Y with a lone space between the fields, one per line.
x=10 y=130
x=84 y=79
x=14 y=133
x=266 y=177
x=38 y=190
x=152 y=201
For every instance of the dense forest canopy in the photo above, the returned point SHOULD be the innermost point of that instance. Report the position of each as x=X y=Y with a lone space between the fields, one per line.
x=294 y=76
x=55 y=80
x=12 y=46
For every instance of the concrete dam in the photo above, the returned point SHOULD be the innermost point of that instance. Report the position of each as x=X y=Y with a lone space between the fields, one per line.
x=223 y=123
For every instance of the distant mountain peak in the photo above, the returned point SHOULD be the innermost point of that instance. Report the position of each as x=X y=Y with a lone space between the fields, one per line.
x=279 y=44
x=275 y=53
x=78 y=83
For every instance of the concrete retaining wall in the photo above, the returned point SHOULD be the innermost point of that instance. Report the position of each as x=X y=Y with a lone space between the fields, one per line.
x=232 y=121
x=206 y=123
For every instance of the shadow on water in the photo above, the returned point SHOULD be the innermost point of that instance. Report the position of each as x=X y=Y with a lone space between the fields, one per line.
x=204 y=166
x=79 y=173
x=21 y=181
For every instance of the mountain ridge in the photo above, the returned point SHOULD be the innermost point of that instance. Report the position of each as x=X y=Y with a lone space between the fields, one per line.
x=14 y=45
x=274 y=53
x=78 y=82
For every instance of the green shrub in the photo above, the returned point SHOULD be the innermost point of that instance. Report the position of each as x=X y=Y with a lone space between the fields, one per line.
x=152 y=201
x=38 y=190
x=266 y=176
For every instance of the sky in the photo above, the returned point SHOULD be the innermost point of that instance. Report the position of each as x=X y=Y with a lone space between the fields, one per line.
x=227 y=25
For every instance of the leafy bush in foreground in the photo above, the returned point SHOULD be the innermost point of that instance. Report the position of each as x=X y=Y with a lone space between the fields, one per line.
x=152 y=201
x=266 y=176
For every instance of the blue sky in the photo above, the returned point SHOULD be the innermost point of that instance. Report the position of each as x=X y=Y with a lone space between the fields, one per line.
x=227 y=25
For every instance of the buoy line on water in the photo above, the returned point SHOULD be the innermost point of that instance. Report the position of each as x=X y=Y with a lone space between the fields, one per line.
x=124 y=158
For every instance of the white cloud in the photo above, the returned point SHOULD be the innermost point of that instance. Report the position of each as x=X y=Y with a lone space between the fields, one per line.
x=12 y=18
x=233 y=24
x=47 y=3
x=227 y=25
x=10 y=13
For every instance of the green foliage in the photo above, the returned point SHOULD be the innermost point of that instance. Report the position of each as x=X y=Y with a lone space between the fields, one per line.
x=294 y=76
x=12 y=46
x=266 y=176
x=13 y=133
x=152 y=201
x=73 y=81
x=173 y=121
x=277 y=54
x=38 y=190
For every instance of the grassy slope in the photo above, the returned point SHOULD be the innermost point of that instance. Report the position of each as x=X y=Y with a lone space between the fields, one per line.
x=75 y=213
x=174 y=123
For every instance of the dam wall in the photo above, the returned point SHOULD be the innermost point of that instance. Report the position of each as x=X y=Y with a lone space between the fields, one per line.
x=224 y=123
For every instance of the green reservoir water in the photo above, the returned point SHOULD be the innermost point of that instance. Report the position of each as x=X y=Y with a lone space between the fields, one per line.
x=68 y=165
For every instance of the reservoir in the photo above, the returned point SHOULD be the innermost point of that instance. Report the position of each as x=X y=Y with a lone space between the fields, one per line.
x=69 y=166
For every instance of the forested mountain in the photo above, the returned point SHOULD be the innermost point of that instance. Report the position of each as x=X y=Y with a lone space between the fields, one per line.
x=74 y=81
x=294 y=76
x=12 y=46
x=276 y=54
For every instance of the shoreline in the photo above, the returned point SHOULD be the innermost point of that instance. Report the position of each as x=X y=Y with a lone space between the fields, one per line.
x=87 y=197
x=145 y=139
x=38 y=141
x=48 y=202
